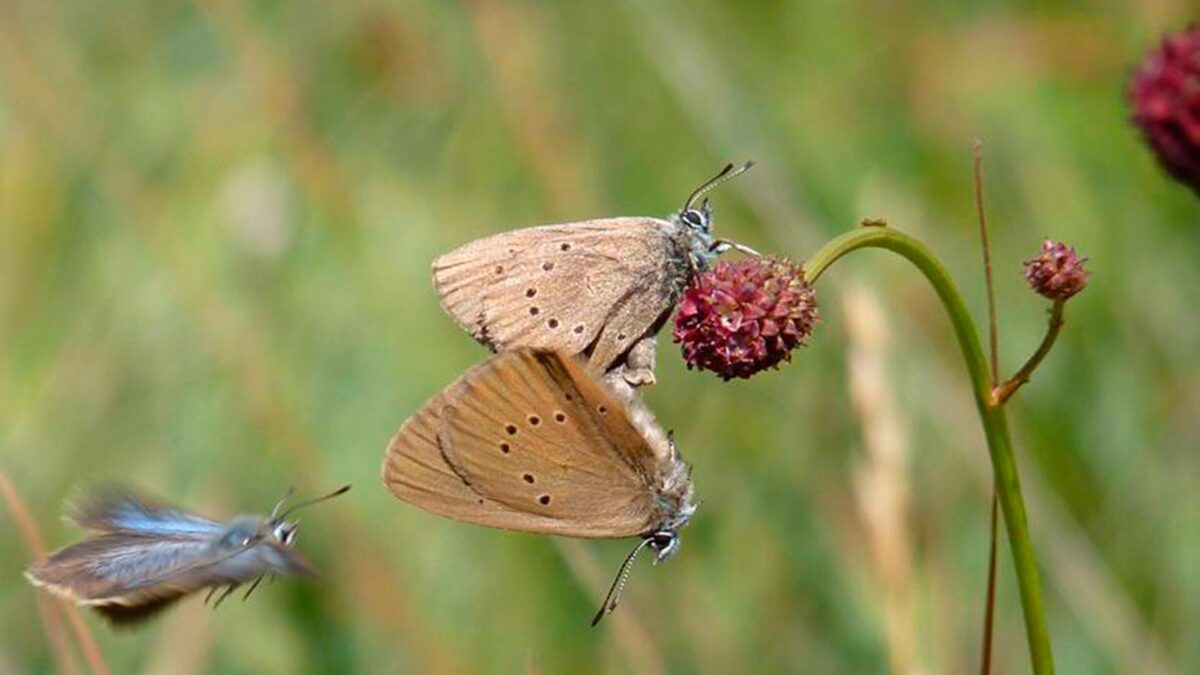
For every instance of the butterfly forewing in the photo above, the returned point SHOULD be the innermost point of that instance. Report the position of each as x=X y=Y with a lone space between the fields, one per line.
x=559 y=286
x=116 y=509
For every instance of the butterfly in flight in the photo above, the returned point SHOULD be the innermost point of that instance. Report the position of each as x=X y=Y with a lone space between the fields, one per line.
x=602 y=288
x=530 y=440
x=142 y=556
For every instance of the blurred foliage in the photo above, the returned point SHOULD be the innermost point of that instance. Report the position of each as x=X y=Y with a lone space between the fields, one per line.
x=216 y=223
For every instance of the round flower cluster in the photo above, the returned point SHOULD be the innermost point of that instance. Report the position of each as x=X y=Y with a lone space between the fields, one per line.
x=1057 y=273
x=1165 y=93
x=737 y=319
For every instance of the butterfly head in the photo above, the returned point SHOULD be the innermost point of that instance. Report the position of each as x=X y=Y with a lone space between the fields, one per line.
x=697 y=216
x=284 y=531
x=698 y=220
x=675 y=500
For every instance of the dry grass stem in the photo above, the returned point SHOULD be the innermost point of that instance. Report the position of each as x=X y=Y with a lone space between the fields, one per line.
x=51 y=611
x=881 y=483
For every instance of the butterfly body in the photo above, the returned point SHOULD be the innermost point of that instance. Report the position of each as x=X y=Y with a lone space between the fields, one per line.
x=143 y=556
x=601 y=288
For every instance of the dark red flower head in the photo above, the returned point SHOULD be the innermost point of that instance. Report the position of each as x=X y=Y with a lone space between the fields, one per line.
x=1165 y=94
x=739 y=318
x=1057 y=273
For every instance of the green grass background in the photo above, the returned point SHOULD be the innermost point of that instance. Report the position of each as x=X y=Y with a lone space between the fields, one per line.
x=216 y=224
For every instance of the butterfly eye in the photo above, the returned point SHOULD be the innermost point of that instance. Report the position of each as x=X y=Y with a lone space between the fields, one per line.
x=695 y=219
x=665 y=544
x=285 y=533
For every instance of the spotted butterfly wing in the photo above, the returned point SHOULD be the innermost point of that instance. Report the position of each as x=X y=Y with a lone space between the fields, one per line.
x=592 y=287
x=529 y=440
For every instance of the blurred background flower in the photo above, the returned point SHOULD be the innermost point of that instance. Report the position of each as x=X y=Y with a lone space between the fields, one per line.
x=1166 y=104
x=216 y=225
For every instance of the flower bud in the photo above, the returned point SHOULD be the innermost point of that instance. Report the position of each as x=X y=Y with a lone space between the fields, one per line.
x=1057 y=273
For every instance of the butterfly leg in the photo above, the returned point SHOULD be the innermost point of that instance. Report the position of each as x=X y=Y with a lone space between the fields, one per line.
x=720 y=246
x=252 y=587
x=210 y=594
x=221 y=598
x=638 y=368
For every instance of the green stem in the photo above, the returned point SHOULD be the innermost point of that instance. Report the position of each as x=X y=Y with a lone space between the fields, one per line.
x=1004 y=391
x=995 y=422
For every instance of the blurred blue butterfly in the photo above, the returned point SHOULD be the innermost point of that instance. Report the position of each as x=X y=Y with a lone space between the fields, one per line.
x=143 y=556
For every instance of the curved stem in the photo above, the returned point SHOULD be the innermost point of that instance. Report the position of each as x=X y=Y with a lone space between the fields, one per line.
x=995 y=422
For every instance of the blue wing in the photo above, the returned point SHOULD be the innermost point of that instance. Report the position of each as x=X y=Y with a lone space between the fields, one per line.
x=120 y=510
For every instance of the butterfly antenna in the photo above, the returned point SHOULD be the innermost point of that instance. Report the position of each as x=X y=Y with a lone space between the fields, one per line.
x=727 y=173
x=286 y=496
x=618 y=585
x=340 y=491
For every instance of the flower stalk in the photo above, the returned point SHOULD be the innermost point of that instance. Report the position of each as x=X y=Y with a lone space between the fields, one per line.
x=991 y=412
x=1005 y=390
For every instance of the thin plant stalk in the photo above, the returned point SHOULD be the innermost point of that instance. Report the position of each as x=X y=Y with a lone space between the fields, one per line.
x=991 y=413
x=37 y=548
x=985 y=241
x=1004 y=391
x=989 y=611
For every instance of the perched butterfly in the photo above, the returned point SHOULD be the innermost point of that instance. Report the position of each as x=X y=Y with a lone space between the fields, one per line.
x=602 y=288
x=529 y=440
x=143 y=556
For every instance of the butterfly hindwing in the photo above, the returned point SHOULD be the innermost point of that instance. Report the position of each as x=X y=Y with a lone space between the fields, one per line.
x=112 y=565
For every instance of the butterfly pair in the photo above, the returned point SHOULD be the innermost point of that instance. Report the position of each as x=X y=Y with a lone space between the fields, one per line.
x=549 y=435
x=143 y=556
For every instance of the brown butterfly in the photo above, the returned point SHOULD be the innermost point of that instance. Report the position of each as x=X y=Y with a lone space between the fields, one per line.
x=602 y=288
x=529 y=440
x=143 y=556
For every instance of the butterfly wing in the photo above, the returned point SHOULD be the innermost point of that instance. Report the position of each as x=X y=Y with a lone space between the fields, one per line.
x=529 y=441
x=415 y=470
x=118 y=509
x=129 y=577
x=567 y=287
x=107 y=569
x=573 y=456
